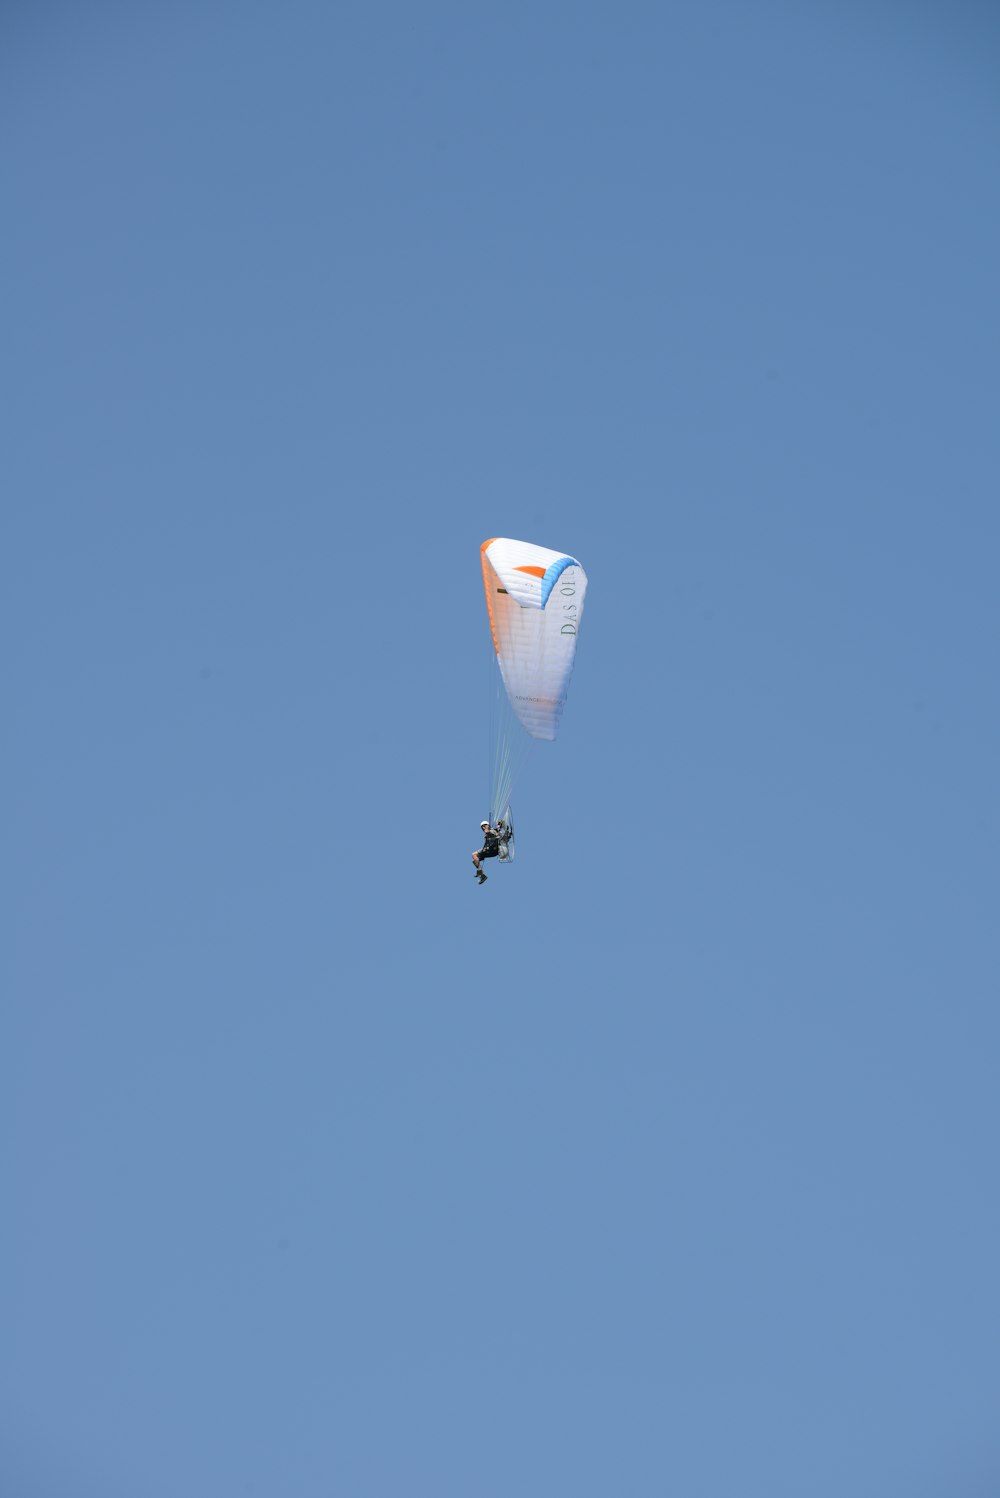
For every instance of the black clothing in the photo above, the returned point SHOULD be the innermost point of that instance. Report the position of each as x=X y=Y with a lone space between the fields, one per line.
x=491 y=845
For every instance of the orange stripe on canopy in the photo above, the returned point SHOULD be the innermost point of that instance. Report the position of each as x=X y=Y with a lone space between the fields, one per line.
x=535 y=571
x=486 y=584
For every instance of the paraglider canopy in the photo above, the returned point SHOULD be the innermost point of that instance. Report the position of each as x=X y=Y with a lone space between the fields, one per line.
x=534 y=598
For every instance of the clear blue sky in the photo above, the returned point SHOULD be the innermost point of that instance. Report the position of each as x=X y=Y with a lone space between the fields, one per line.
x=665 y=1164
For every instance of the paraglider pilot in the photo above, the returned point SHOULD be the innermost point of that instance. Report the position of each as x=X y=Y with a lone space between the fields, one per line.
x=490 y=849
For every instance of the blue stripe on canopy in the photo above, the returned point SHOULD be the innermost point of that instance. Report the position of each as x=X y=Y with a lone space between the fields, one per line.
x=553 y=573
